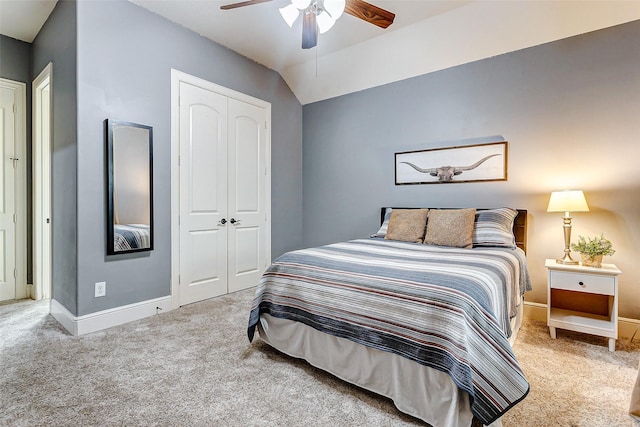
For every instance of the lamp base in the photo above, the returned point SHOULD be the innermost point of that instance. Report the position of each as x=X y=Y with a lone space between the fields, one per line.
x=562 y=261
x=567 y=260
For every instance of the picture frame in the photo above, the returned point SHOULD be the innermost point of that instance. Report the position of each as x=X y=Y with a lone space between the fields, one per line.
x=451 y=165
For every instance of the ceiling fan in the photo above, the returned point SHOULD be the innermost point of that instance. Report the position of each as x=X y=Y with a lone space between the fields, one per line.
x=318 y=16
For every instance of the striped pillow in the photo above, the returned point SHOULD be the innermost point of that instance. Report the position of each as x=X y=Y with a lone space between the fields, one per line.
x=494 y=228
x=385 y=224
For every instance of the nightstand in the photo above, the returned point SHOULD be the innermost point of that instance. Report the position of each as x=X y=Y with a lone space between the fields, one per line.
x=583 y=299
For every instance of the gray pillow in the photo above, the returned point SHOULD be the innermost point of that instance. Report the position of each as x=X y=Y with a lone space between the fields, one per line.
x=450 y=227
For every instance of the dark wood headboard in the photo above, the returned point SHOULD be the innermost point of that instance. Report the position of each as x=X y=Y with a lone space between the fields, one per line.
x=519 y=225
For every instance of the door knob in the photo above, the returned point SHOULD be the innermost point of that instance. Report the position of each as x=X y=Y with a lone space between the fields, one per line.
x=234 y=221
x=223 y=221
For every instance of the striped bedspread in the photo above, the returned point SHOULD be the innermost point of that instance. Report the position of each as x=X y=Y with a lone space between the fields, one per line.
x=131 y=236
x=445 y=308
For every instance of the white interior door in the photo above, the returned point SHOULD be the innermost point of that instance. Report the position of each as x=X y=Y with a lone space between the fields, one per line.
x=247 y=177
x=42 y=183
x=203 y=194
x=7 y=197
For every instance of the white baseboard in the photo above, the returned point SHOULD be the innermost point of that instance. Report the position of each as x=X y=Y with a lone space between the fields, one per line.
x=626 y=327
x=535 y=311
x=80 y=325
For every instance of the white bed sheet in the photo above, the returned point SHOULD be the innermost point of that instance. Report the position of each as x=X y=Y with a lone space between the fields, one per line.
x=420 y=391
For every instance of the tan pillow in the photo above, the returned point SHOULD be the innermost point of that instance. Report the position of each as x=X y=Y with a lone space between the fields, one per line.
x=407 y=225
x=450 y=227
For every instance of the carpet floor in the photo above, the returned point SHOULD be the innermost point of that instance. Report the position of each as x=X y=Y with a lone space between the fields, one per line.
x=195 y=367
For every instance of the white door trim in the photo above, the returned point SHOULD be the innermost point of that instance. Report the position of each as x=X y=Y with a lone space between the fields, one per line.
x=41 y=154
x=176 y=78
x=21 y=183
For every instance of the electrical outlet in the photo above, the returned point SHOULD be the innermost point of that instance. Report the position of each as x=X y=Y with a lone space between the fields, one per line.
x=101 y=289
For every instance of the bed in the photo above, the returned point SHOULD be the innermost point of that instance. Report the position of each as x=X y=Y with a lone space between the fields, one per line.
x=427 y=325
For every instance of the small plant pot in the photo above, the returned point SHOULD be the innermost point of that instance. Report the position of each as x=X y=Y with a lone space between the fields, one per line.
x=591 y=261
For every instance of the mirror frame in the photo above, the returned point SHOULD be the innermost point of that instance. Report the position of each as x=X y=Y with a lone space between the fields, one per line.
x=109 y=125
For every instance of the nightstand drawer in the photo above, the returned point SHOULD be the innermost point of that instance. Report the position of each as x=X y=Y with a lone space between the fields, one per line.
x=590 y=283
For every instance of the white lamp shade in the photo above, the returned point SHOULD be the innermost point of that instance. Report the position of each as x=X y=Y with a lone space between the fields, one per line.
x=334 y=7
x=301 y=4
x=567 y=201
x=289 y=14
x=325 y=22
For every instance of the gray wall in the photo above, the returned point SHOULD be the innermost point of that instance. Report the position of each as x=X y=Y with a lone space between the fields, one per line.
x=569 y=110
x=56 y=43
x=15 y=64
x=15 y=59
x=124 y=57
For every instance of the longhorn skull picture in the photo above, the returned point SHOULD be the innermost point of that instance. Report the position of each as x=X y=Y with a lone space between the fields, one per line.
x=451 y=165
x=446 y=173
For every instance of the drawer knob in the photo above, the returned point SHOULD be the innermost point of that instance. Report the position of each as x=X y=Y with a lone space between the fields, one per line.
x=581 y=284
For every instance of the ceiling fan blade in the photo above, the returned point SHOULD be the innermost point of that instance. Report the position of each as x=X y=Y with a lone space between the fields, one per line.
x=241 y=4
x=309 y=31
x=370 y=13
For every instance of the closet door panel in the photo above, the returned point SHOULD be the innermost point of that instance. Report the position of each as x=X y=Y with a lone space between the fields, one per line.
x=246 y=186
x=202 y=270
x=246 y=164
x=203 y=194
x=205 y=161
x=246 y=250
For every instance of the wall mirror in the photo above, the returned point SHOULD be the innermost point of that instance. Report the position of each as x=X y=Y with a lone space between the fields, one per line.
x=130 y=187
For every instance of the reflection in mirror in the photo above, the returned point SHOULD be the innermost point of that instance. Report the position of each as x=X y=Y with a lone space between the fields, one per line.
x=130 y=195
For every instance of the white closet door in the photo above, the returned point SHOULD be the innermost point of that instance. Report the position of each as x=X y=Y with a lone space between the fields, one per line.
x=247 y=176
x=203 y=194
x=7 y=195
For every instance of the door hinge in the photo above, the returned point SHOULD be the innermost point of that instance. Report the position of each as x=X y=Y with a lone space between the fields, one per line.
x=15 y=218
x=15 y=274
x=15 y=109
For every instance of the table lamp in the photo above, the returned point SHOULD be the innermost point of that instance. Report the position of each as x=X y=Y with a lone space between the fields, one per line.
x=567 y=201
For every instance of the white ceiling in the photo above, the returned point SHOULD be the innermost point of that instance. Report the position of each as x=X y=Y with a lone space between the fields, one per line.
x=426 y=36
x=22 y=19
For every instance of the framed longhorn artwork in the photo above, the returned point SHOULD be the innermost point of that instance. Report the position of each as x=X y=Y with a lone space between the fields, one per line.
x=448 y=165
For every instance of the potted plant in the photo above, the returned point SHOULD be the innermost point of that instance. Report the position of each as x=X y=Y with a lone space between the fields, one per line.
x=592 y=250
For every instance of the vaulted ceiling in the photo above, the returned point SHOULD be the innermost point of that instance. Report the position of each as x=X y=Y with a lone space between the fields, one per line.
x=426 y=36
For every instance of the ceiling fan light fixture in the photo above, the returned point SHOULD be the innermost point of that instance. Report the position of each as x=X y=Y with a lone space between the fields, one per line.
x=318 y=16
x=325 y=22
x=334 y=8
x=289 y=14
x=301 y=4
